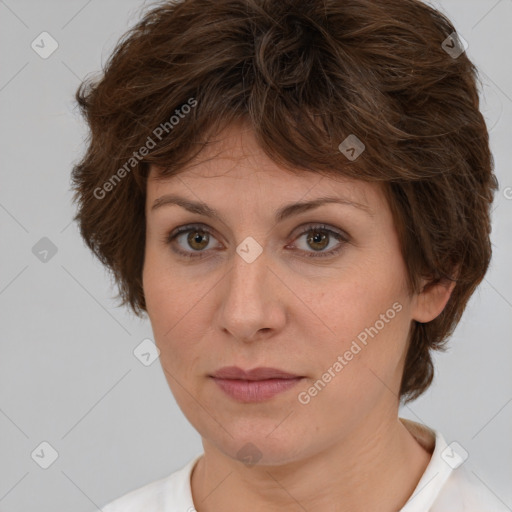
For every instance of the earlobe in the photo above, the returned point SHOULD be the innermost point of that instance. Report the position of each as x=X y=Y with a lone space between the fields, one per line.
x=430 y=302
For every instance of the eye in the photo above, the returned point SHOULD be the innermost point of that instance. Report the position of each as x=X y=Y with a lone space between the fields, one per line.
x=319 y=237
x=198 y=238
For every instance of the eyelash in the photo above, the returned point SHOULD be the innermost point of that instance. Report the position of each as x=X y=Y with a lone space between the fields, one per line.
x=204 y=229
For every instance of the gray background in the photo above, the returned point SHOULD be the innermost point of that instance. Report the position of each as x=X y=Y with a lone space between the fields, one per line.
x=68 y=375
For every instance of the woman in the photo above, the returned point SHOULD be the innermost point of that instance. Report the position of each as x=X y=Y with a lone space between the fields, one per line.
x=297 y=194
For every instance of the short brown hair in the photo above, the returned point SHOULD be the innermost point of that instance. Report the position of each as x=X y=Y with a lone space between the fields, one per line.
x=305 y=75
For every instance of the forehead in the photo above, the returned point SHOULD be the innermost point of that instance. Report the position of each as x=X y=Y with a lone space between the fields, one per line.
x=234 y=165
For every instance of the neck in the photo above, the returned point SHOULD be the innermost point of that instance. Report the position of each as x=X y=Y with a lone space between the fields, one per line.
x=376 y=467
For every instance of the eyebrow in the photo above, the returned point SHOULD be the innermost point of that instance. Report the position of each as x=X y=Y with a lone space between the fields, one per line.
x=280 y=215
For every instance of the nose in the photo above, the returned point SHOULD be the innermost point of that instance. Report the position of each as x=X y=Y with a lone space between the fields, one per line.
x=251 y=300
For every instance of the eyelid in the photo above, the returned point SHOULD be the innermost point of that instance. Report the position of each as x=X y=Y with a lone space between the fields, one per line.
x=170 y=237
x=303 y=228
x=341 y=235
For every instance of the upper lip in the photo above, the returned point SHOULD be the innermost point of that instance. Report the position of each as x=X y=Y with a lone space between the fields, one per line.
x=260 y=373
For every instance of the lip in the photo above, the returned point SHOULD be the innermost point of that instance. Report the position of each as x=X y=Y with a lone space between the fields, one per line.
x=260 y=373
x=254 y=385
x=255 y=390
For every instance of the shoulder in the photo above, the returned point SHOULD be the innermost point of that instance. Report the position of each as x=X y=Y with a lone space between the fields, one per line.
x=448 y=483
x=464 y=491
x=159 y=495
x=147 y=497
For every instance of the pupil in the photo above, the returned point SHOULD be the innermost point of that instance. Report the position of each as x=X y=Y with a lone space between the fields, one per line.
x=318 y=238
x=197 y=238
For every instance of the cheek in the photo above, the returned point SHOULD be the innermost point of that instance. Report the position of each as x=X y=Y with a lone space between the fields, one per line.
x=361 y=366
x=165 y=288
x=174 y=307
x=165 y=298
x=154 y=284
x=362 y=299
x=368 y=324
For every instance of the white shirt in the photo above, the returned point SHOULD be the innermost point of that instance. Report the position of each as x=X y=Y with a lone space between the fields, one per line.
x=445 y=486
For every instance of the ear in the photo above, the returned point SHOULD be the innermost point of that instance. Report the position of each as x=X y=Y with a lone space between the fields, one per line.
x=429 y=303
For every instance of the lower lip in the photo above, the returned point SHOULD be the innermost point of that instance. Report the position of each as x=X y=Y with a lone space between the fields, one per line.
x=255 y=390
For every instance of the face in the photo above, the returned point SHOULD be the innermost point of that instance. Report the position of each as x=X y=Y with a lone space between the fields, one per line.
x=319 y=293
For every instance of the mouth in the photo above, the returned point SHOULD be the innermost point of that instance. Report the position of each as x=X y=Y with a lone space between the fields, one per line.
x=260 y=373
x=255 y=385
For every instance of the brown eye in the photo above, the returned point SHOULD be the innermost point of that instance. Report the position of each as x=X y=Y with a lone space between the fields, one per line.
x=196 y=239
x=190 y=241
x=318 y=240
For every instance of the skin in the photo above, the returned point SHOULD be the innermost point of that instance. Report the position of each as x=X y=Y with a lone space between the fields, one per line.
x=344 y=450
